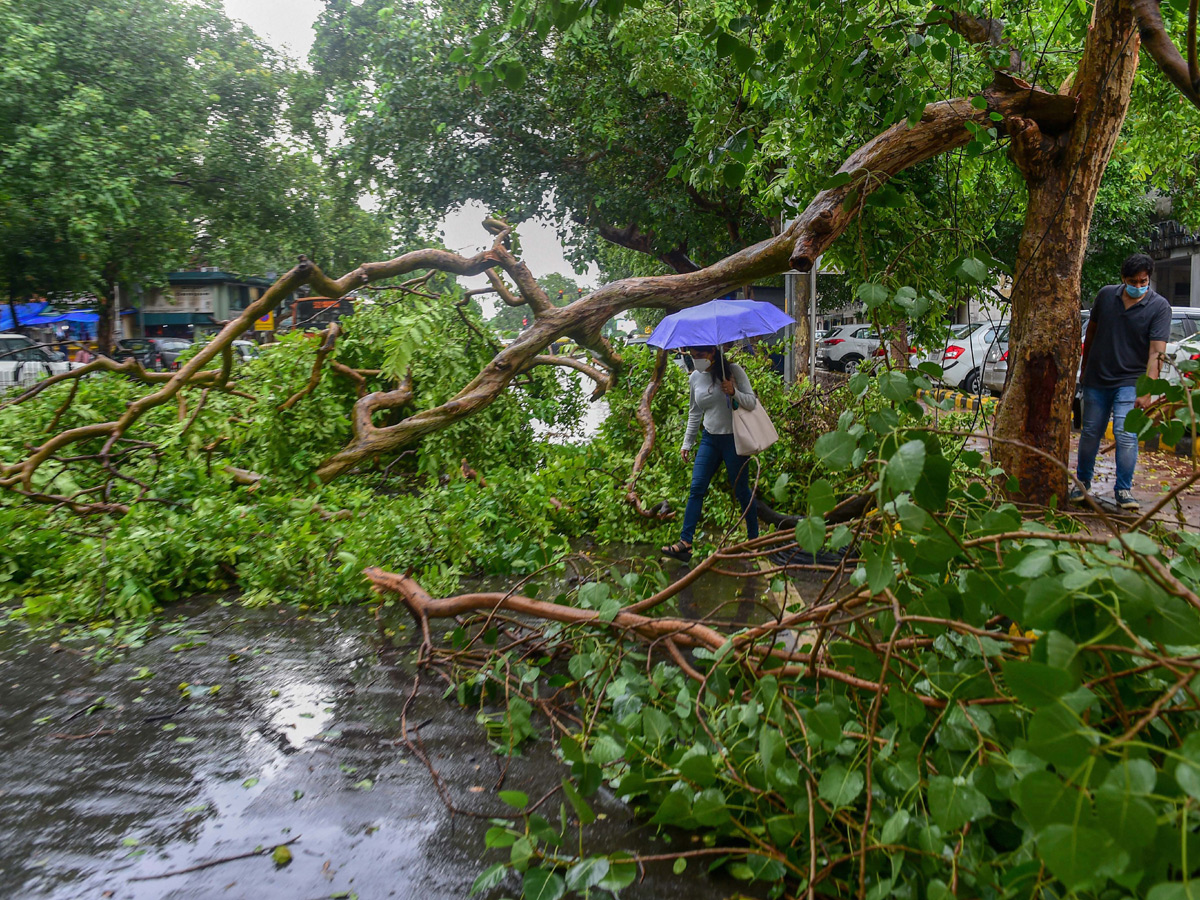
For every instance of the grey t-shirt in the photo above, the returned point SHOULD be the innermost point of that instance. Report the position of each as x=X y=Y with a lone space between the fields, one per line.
x=1121 y=340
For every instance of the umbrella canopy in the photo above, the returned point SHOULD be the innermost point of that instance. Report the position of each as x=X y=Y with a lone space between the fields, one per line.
x=718 y=322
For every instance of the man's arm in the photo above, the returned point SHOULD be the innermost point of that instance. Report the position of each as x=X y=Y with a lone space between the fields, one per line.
x=1153 y=369
x=1087 y=344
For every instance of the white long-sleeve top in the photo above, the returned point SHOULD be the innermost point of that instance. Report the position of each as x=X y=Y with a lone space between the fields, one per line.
x=708 y=403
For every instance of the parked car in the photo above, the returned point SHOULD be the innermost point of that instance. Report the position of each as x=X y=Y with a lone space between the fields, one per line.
x=245 y=350
x=846 y=346
x=141 y=349
x=167 y=351
x=1185 y=323
x=23 y=362
x=962 y=357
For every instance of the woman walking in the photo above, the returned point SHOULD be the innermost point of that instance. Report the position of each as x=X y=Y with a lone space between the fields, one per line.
x=716 y=388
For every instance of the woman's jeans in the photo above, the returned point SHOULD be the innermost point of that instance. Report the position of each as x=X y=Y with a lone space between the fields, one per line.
x=713 y=449
x=1100 y=404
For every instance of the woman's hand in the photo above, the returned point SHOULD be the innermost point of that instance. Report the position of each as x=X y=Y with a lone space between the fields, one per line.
x=727 y=386
x=686 y=454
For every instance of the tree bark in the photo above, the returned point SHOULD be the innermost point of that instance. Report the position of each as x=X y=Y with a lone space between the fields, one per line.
x=1062 y=173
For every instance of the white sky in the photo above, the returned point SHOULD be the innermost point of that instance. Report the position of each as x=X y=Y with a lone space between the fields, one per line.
x=287 y=25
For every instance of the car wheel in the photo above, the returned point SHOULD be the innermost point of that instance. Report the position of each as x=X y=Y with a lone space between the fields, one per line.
x=851 y=362
x=970 y=384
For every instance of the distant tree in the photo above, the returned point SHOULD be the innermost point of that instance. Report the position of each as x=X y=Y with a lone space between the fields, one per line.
x=142 y=136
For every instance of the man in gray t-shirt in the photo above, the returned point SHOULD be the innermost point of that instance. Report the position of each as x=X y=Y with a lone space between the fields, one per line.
x=1126 y=337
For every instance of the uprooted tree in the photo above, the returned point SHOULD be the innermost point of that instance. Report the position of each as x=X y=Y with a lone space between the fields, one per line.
x=1060 y=141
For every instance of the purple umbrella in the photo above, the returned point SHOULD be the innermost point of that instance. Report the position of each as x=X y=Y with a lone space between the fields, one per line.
x=718 y=322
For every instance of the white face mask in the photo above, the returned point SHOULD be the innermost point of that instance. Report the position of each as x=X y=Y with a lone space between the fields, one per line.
x=701 y=364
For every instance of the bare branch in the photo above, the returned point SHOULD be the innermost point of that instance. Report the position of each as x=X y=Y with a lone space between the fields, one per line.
x=331 y=334
x=1182 y=74
x=603 y=381
x=645 y=417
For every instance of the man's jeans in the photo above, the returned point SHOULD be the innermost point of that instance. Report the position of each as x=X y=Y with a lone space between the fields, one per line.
x=713 y=449
x=1099 y=405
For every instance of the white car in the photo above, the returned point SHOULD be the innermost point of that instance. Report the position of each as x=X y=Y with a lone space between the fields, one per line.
x=845 y=346
x=1185 y=322
x=963 y=355
x=22 y=362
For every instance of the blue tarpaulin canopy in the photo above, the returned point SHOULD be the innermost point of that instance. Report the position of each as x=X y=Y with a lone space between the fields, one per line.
x=25 y=311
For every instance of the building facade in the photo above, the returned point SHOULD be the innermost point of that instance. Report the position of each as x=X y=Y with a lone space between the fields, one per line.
x=197 y=302
x=1176 y=254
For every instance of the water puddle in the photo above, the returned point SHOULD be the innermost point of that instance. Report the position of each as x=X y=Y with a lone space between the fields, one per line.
x=263 y=726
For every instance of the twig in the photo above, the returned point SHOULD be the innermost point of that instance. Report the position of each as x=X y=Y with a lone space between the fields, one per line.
x=208 y=864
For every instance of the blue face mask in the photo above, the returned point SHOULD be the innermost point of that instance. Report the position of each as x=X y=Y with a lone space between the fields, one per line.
x=1136 y=292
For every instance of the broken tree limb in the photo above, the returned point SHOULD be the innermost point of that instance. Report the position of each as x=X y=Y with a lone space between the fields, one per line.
x=601 y=379
x=330 y=339
x=645 y=418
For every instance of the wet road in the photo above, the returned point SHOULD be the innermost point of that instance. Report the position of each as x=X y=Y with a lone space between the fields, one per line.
x=246 y=728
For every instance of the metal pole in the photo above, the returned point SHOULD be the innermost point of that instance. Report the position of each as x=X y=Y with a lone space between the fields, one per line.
x=789 y=304
x=812 y=320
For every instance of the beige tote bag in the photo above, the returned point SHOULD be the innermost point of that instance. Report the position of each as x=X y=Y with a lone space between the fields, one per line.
x=753 y=431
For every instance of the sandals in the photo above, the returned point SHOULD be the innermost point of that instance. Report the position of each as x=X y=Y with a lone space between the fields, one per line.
x=679 y=550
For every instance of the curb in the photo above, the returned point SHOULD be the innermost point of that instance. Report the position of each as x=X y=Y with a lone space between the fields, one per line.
x=960 y=400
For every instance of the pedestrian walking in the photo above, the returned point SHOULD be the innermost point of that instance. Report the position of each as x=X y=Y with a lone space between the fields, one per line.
x=1126 y=338
x=716 y=387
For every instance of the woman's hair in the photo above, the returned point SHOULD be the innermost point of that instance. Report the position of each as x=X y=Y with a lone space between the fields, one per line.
x=719 y=362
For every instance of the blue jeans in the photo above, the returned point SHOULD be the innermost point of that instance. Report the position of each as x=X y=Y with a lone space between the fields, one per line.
x=713 y=449
x=1099 y=405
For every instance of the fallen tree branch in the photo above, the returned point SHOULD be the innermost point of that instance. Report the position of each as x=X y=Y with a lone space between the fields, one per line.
x=645 y=418
x=330 y=338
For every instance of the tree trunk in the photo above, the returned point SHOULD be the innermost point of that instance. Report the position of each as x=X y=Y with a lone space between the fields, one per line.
x=1062 y=173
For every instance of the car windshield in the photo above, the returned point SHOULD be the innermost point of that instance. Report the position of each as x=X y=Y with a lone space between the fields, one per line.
x=21 y=349
x=962 y=331
x=1002 y=335
x=135 y=344
x=171 y=344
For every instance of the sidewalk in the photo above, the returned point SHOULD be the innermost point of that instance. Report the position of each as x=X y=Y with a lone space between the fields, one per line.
x=1157 y=471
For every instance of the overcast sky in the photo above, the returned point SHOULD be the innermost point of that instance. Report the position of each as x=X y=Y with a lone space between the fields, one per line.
x=287 y=25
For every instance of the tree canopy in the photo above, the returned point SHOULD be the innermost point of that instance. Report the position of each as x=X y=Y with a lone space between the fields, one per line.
x=147 y=135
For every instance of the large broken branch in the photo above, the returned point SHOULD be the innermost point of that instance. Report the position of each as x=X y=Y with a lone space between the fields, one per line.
x=1185 y=75
x=942 y=127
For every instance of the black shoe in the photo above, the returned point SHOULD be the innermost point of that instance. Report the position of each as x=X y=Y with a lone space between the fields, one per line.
x=1125 y=500
x=1079 y=494
x=679 y=550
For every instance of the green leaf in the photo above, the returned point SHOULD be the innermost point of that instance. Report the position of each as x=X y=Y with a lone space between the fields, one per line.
x=905 y=465
x=587 y=873
x=835 y=449
x=820 y=497
x=733 y=174
x=743 y=57
x=582 y=810
x=972 y=269
x=1187 y=773
x=810 y=533
x=895 y=826
x=540 y=884
x=489 y=878
x=825 y=724
x=1130 y=820
x=514 y=75
x=894 y=385
x=1058 y=736
x=839 y=787
x=953 y=802
x=710 y=807
x=622 y=871
x=872 y=294
x=1037 y=684
x=1079 y=856
x=879 y=569
x=698 y=768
